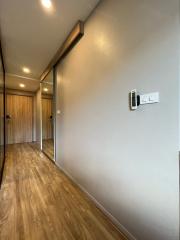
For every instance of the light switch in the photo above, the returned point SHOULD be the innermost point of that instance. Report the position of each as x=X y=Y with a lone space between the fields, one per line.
x=149 y=98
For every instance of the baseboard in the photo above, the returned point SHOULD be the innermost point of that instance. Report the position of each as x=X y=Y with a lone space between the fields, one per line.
x=114 y=221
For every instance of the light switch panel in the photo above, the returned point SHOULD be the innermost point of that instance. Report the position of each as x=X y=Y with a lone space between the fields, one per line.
x=149 y=98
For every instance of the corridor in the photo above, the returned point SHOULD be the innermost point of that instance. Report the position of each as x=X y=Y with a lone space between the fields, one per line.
x=89 y=119
x=39 y=202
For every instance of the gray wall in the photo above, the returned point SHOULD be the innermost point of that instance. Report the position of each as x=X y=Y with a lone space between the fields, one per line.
x=128 y=161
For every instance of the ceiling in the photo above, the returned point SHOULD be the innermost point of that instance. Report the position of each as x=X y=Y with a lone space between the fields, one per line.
x=31 y=34
x=13 y=82
x=47 y=84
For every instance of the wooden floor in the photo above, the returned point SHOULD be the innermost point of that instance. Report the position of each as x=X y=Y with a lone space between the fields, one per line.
x=37 y=201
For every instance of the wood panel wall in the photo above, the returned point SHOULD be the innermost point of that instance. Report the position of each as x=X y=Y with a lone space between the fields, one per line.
x=20 y=124
x=47 y=121
x=1 y=119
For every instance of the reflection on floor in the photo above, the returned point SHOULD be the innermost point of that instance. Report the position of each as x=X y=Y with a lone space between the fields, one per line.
x=48 y=147
x=37 y=202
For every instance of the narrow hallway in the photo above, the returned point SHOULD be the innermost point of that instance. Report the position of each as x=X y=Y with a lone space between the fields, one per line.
x=39 y=202
x=89 y=120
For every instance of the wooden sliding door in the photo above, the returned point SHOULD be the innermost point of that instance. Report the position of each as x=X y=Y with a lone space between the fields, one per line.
x=19 y=119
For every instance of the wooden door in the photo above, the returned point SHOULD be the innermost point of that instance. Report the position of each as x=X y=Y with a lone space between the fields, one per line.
x=1 y=130
x=47 y=119
x=19 y=119
x=1 y=120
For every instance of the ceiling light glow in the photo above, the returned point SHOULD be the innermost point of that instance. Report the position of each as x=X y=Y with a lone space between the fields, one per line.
x=46 y=3
x=26 y=70
x=45 y=89
x=22 y=85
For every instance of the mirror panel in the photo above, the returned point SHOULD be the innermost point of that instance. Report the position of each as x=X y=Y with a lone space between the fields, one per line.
x=2 y=143
x=47 y=106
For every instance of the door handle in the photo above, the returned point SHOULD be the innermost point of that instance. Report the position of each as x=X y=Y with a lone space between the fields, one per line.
x=8 y=117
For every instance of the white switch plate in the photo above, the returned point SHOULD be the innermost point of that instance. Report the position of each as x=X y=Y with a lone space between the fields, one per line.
x=149 y=98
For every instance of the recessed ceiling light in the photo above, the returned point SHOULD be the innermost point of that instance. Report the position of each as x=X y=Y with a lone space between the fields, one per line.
x=45 y=89
x=22 y=85
x=26 y=70
x=46 y=3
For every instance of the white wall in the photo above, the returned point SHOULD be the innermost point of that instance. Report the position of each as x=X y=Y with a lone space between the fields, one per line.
x=127 y=160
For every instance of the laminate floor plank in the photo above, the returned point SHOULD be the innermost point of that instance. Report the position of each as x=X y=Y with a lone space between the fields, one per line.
x=38 y=202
